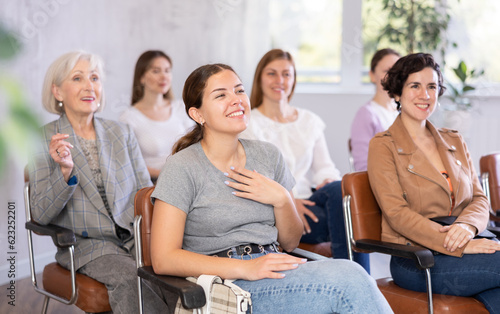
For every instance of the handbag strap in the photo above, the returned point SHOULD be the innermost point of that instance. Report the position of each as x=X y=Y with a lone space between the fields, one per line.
x=243 y=297
x=206 y=282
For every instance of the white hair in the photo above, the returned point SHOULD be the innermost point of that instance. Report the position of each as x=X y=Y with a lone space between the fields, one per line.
x=59 y=70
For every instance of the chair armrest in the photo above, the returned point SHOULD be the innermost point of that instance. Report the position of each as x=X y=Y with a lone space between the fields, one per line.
x=62 y=237
x=424 y=258
x=495 y=230
x=310 y=256
x=191 y=294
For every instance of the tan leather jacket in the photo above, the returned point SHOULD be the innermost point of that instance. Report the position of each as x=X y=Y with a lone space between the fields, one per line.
x=409 y=189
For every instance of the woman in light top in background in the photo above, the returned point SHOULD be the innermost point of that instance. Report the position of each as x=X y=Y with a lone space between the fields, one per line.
x=157 y=119
x=222 y=205
x=299 y=134
x=378 y=114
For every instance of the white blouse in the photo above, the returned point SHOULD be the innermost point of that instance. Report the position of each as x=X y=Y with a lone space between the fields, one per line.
x=303 y=145
x=156 y=138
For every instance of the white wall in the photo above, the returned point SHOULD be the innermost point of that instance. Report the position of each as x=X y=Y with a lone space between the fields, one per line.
x=192 y=33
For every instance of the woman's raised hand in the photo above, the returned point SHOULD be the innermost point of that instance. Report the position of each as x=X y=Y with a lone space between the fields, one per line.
x=252 y=185
x=60 y=151
x=270 y=265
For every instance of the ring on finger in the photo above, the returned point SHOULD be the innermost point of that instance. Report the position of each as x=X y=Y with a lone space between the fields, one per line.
x=58 y=153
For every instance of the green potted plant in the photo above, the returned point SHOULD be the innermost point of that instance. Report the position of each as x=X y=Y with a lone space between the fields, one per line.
x=457 y=114
x=458 y=93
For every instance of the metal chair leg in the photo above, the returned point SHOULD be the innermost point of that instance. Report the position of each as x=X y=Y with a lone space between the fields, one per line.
x=139 y=290
x=429 y=290
x=45 y=305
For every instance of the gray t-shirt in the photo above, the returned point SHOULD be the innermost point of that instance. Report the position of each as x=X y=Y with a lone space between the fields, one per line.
x=216 y=219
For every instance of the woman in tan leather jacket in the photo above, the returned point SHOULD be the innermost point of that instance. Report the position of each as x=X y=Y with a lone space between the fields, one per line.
x=418 y=172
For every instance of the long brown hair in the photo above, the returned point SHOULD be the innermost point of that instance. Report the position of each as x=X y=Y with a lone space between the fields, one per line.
x=142 y=65
x=257 y=95
x=192 y=95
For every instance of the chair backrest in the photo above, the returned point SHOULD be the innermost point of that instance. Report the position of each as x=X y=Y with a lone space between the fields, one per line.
x=366 y=217
x=144 y=208
x=490 y=164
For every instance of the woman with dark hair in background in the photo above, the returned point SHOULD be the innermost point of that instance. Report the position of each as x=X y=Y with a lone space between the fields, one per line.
x=378 y=114
x=422 y=176
x=299 y=134
x=157 y=119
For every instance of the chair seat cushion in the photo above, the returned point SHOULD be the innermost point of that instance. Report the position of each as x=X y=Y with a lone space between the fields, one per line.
x=324 y=248
x=92 y=295
x=407 y=301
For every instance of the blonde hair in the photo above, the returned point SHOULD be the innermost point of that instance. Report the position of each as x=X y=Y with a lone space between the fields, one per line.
x=60 y=69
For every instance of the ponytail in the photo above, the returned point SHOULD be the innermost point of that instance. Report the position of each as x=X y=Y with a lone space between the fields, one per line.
x=193 y=137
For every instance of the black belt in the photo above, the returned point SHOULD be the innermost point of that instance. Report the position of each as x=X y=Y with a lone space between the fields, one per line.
x=247 y=249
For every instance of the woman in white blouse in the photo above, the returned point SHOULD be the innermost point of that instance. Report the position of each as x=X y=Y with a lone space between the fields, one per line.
x=156 y=118
x=299 y=134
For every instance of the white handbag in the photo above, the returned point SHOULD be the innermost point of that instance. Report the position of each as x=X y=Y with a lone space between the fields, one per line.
x=222 y=296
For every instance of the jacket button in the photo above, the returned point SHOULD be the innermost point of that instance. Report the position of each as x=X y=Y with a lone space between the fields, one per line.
x=453 y=147
x=459 y=162
x=400 y=150
x=410 y=167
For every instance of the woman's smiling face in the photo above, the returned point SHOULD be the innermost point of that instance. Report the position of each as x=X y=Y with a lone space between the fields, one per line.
x=419 y=96
x=225 y=105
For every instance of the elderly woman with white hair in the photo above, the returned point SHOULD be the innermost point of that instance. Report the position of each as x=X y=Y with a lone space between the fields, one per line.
x=84 y=177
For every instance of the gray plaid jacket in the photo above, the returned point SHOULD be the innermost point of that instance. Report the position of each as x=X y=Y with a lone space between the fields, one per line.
x=79 y=207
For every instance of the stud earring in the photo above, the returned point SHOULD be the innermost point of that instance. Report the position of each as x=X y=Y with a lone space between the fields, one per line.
x=98 y=104
x=60 y=104
x=201 y=123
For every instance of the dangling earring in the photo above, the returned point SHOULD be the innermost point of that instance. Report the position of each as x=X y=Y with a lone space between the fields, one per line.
x=398 y=105
x=60 y=104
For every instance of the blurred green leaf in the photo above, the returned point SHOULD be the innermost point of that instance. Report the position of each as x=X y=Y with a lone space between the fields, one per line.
x=467 y=88
x=9 y=45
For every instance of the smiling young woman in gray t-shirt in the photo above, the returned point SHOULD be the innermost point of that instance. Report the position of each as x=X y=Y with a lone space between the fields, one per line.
x=218 y=195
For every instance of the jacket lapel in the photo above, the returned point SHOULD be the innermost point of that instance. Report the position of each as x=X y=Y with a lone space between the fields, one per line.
x=452 y=165
x=85 y=178
x=414 y=159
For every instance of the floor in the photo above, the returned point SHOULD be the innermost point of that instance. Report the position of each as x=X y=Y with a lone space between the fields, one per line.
x=28 y=301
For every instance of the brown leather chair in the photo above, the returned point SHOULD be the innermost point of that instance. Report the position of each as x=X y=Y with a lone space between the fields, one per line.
x=192 y=295
x=363 y=223
x=490 y=179
x=66 y=286
x=324 y=248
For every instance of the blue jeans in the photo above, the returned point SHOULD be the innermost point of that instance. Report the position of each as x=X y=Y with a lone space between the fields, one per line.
x=327 y=286
x=476 y=275
x=331 y=226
